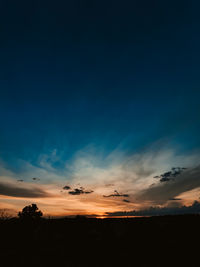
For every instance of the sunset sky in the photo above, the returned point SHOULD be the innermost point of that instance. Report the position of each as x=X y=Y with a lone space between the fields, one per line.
x=97 y=98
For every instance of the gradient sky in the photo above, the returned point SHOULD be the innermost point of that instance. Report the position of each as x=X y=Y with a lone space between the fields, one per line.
x=102 y=95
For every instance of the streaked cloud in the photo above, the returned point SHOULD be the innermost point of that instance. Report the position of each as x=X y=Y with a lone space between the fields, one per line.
x=117 y=194
x=8 y=189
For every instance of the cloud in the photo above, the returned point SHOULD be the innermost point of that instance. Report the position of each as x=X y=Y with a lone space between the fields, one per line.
x=117 y=194
x=154 y=211
x=126 y=200
x=162 y=192
x=170 y=175
x=8 y=189
x=66 y=187
x=36 y=179
x=80 y=191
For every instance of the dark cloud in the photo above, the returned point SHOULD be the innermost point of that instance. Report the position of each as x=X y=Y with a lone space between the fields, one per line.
x=16 y=191
x=170 y=175
x=80 y=191
x=126 y=200
x=117 y=194
x=66 y=187
x=35 y=179
x=155 y=211
x=187 y=180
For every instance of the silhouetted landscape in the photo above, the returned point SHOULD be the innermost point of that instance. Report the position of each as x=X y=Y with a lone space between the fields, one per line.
x=81 y=241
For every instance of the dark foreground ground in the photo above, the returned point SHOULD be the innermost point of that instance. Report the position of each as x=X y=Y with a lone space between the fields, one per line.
x=157 y=241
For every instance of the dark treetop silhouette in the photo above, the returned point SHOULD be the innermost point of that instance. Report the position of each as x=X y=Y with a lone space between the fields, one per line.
x=30 y=212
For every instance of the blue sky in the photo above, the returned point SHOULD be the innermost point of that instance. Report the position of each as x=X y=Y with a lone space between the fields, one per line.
x=111 y=75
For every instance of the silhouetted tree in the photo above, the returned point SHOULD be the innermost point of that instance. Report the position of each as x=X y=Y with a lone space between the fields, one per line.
x=30 y=212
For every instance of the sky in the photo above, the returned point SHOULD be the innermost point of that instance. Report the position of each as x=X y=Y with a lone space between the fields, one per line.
x=97 y=98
